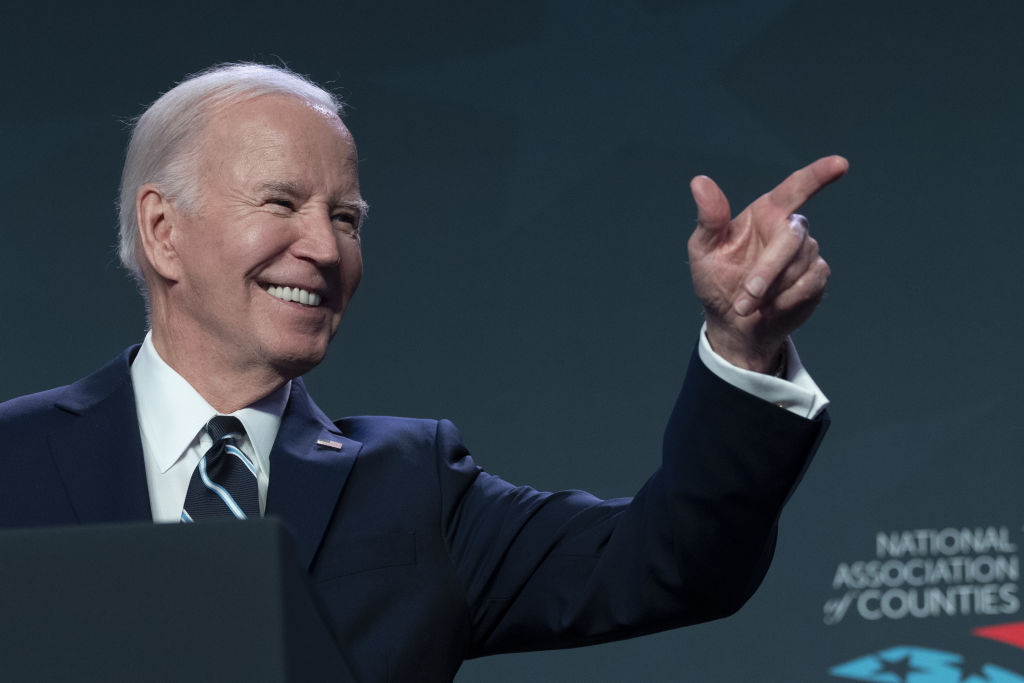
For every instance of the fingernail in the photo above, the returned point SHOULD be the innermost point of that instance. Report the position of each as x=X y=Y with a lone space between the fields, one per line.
x=743 y=306
x=798 y=219
x=756 y=285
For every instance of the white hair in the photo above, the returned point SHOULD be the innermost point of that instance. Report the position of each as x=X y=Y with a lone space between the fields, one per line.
x=165 y=141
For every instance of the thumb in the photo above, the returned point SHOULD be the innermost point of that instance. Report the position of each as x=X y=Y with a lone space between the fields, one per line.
x=713 y=214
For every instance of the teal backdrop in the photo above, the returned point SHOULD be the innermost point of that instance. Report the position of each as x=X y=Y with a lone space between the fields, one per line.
x=527 y=163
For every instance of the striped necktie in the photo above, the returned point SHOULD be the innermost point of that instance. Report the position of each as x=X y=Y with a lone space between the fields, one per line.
x=224 y=482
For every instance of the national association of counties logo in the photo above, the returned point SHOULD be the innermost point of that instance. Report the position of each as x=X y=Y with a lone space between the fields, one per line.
x=932 y=576
x=928 y=573
x=905 y=664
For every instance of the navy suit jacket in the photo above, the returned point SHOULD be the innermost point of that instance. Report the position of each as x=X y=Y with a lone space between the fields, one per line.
x=421 y=559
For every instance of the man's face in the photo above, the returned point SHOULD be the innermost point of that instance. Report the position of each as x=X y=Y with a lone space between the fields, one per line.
x=270 y=256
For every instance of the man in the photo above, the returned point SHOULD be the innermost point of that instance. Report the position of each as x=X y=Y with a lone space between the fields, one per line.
x=240 y=211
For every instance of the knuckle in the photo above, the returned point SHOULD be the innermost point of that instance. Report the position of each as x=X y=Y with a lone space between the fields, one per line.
x=822 y=265
x=814 y=279
x=820 y=281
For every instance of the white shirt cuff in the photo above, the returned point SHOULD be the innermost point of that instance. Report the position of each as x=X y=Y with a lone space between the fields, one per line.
x=797 y=393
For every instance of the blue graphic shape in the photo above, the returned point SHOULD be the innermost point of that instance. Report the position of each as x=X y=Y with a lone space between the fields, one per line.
x=905 y=664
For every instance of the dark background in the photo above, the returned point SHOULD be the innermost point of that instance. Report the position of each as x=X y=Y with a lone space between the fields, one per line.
x=526 y=276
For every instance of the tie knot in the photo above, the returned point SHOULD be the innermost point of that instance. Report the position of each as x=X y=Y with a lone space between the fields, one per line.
x=225 y=426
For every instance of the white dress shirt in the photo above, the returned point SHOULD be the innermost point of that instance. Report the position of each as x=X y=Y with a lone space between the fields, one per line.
x=172 y=420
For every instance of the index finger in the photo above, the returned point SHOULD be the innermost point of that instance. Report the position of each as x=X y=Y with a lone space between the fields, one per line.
x=801 y=185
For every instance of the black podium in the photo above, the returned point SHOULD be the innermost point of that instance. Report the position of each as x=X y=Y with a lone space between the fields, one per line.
x=218 y=601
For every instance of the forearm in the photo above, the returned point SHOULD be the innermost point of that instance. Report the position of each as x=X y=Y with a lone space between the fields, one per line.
x=567 y=569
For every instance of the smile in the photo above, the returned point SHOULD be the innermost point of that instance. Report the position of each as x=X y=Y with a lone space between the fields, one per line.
x=299 y=296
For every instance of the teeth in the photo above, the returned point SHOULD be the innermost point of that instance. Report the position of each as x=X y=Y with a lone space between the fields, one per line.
x=294 y=294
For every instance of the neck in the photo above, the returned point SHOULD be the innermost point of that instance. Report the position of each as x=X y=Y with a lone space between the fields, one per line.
x=225 y=386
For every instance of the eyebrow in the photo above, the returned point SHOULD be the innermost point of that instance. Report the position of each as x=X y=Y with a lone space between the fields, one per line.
x=359 y=205
x=280 y=187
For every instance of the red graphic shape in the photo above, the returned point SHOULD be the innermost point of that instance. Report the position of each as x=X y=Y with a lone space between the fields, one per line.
x=1011 y=634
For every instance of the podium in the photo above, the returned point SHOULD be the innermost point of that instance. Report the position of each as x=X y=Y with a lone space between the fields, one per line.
x=214 y=601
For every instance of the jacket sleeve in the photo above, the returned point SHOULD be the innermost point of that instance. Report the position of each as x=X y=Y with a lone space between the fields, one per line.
x=552 y=570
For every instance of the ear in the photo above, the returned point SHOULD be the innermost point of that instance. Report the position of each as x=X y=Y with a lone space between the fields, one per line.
x=156 y=219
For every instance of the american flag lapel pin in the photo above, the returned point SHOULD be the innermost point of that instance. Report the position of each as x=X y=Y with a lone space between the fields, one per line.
x=329 y=443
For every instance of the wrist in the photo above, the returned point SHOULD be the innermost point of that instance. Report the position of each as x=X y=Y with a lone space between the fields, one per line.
x=768 y=359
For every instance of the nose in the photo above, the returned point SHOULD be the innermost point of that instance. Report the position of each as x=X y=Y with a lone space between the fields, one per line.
x=318 y=241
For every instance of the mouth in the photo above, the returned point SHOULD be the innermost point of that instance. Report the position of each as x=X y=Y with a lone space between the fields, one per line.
x=293 y=294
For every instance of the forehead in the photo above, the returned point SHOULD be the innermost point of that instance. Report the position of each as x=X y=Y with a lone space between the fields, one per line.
x=278 y=138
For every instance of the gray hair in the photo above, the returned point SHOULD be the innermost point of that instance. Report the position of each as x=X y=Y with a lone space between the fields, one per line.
x=164 y=145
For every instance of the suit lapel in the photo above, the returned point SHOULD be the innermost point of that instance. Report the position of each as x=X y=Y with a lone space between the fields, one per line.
x=309 y=465
x=98 y=451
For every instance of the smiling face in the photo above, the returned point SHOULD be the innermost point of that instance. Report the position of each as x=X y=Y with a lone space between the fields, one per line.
x=268 y=258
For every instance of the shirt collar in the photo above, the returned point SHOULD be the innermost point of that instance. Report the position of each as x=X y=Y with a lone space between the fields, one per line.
x=172 y=414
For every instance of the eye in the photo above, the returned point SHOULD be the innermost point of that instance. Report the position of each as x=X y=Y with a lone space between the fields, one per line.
x=282 y=202
x=347 y=221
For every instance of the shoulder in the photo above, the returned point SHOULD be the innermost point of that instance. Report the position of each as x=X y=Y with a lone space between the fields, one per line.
x=414 y=439
x=30 y=410
x=399 y=431
x=37 y=411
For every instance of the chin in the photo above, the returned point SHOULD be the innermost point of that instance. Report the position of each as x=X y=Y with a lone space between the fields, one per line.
x=294 y=361
x=293 y=367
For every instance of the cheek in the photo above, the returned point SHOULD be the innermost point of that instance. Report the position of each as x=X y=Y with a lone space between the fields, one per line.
x=259 y=239
x=352 y=267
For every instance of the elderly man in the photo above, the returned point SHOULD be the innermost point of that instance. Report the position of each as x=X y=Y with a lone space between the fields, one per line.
x=240 y=215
